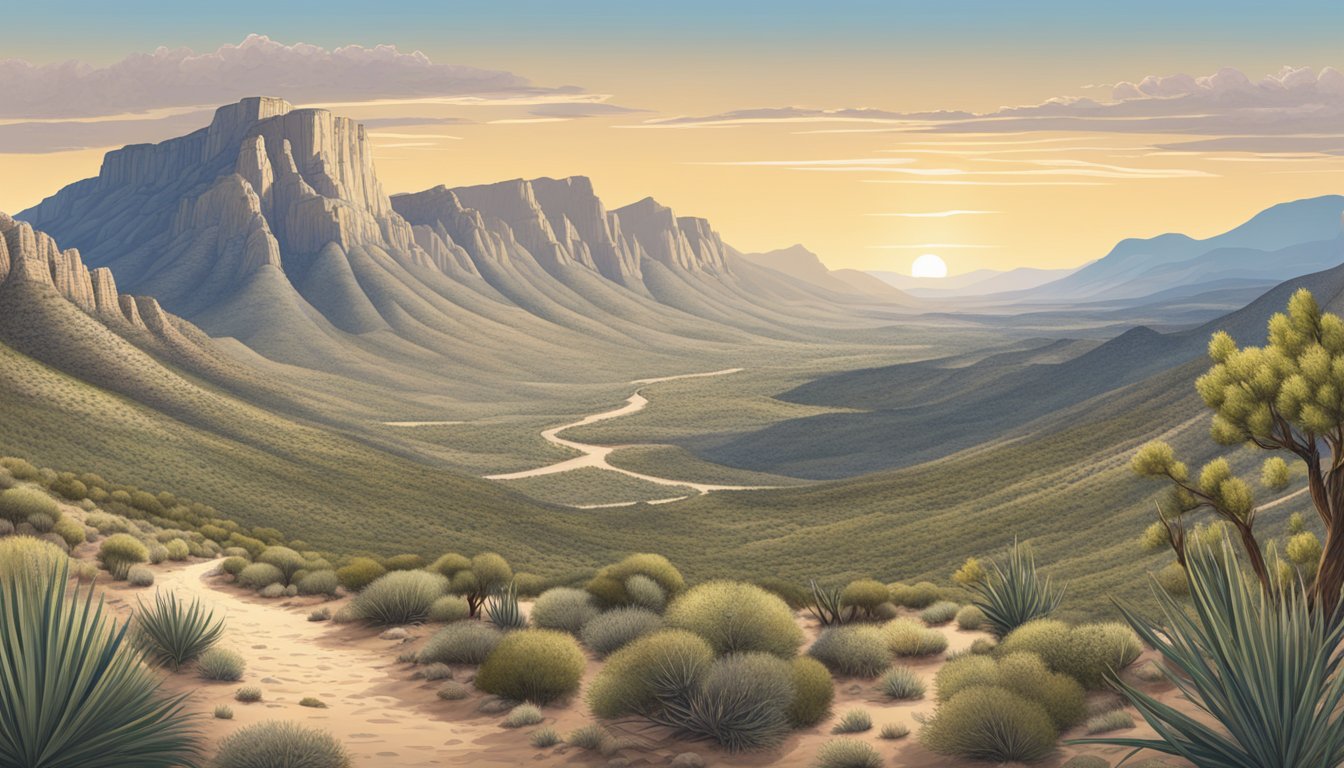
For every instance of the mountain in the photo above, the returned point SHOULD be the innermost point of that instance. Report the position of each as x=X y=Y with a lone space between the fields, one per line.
x=798 y=262
x=980 y=282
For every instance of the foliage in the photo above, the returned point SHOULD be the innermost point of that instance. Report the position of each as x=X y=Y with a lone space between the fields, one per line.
x=462 y=642
x=789 y=591
x=475 y=579
x=537 y=665
x=1088 y=653
x=608 y=632
x=248 y=694
x=399 y=597
x=609 y=586
x=503 y=610
x=893 y=731
x=140 y=576
x=234 y=565
x=644 y=592
x=544 y=738
x=452 y=691
x=19 y=504
x=919 y=596
x=848 y=753
x=287 y=560
x=635 y=679
x=939 y=613
x=174 y=632
x=736 y=617
x=223 y=712
x=1014 y=593
x=359 y=573
x=827 y=605
x=27 y=556
x=522 y=716
x=312 y=702
x=1115 y=720
x=449 y=608
x=987 y=723
x=407 y=562
x=813 y=692
x=901 y=684
x=854 y=721
x=259 y=576
x=221 y=664
x=281 y=744
x=71 y=530
x=742 y=702
x=857 y=651
x=864 y=596
x=563 y=608
x=907 y=637
x=590 y=737
x=970 y=618
x=319 y=583
x=119 y=552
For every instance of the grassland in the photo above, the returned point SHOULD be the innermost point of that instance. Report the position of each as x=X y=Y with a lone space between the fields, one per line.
x=674 y=463
x=590 y=486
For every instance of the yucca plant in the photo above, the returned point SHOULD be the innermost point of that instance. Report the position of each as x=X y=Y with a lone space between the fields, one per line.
x=502 y=608
x=826 y=607
x=73 y=692
x=1266 y=667
x=1014 y=593
x=174 y=633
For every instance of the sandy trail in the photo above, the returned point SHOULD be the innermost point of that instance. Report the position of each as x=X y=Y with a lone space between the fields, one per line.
x=596 y=455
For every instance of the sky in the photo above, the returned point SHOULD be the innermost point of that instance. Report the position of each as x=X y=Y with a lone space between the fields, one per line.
x=993 y=135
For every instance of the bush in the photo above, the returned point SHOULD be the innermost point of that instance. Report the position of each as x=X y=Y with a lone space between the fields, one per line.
x=743 y=702
x=234 y=565
x=1021 y=674
x=544 y=738
x=503 y=610
x=523 y=715
x=482 y=577
x=793 y=593
x=248 y=694
x=609 y=585
x=140 y=576
x=221 y=664
x=223 y=712
x=41 y=522
x=173 y=632
x=939 y=613
x=6 y=528
x=27 y=556
x=285 y=559
x=737 y=618
x=848 y=753
x=918 y=597
x=312 y=702
x=608 y=632
x=537 y=665
x=277 y=744
x=19 y=504
x=400 y=597
x=644 y=592
x=893 y=731
x=970 y=618
x=433 y=672
x=71 y=530
x=1115 y=720
x=74 y=694
x=813 y=692
x=1015 y=593
x=964 y=672
x=177 y=549
x=119 y=552
x=901 y=684
x=1087 y=653
x=590 y=737
x=854 y=721
x=856 y=651
x=462 y=642
x=359 y=573
x=273 y=591
x=259 y=576
x=633 y=678
x=319 y=583
x=563 y=608
x=449 y=608
x=864 y=596
x=986 y=723
x=907 y=637
x=404 y=563
x=321 y=614
x=453 y=691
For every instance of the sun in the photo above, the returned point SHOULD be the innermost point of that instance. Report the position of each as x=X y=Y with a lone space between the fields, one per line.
x=929 y=265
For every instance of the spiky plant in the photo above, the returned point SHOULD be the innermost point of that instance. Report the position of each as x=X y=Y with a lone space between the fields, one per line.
x=173 y=632
x=73 y=692
x=502 y=608
x=825 y=605
x=1014 y=593
x=1266 y=667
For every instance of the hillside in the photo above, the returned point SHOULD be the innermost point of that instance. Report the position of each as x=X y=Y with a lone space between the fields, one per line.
x=798 y=262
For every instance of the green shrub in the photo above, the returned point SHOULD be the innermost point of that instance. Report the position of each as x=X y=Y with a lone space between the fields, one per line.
x=157 y=552
x=793 y=593
x=813 y=692
x=970 y=618
x=273 y=591
x=27 y=556
x=6 y=528
x=70 y=487
x=221 y=664
x=19 y=504
x=1015 y=593
x=223 y=712
x=433 y=672
x=537 y=665
x=449 y=608
x=864 y=596
x=278 y=744
x=855 y=651
x=1060 y=695
x=609 y=585
x=939 y=613
x=74 y=694
x=893 y=731
x=634 y=677
x=449 y=564
x=41 y=522
x=404 y=563
x=319 y=583
x=248 y=694
x=259 y=576
x=644 y=592
x=285 y=559
x=312 y=702
x=359 y=573
x=119 y=552
x=736 y=618
x=453 y=691
x=987 y=723
x=608 y=632
x=854 y=721
x=71 y=530
x=321 y=614
x=984 y=645
x=174 y=632
x=139 y=576
x=529 y=584
x=483 y=576
x=544 y=738
x=918 y=597
x=907 y=637
x=742 y=703
x=524 y=715
x=21 y=469
x=400 y=597
x=964 y=672
x=1115 y=720
x=901 y=684
x=503 y=609
x=1088 y=653
x=590 y=737
x=462 y=642
x=848 y=753
x=563 y=608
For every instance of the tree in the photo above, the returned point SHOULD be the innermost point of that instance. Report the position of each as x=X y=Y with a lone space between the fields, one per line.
x=476 y=579
x=1286 y=397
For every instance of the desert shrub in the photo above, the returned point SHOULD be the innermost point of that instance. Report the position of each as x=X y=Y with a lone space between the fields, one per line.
x=41 y=522
x=259 y=576
x=482 y=576
x=537 y=665
x=669 y=662
x=893 y=731
x=856 y=651
x=321 y=614
x=854 y=721
x=71 y=530
x=1115 y=720
x=918 y=597
x=21 y=469
x=902 y=684
x=69 y=487
x=449 y=608
x=462 y=642
x=82 y=571
x=590 y=737
x=285 y=559
x=736 y=617
x=987 y=723
x=1088 y=653
x=19 y=504
x=157 y=552
x=644 y=592
x=970 y=618
x=449 y=564
x=359 y=573
x=223 y=712
x=544 y=738
x=400 y=597
x=742 y=703
x=1015 y=593
x=433 y=672
x=119 y=552
x=984 y=645
x=608 y=632
x=404 y=563
x=451 y=691
x=609 y=585
x=939 y=613
x=563 y=608
x=319 y=583
x=1060 y=695
x=223 y=664
x=530 y=584
x=503 y=610
x=177 y=550
x=813 y=692
x=248 y=694
x=964 y=672
x=279 y=744
x=864 y=596
x=523 y=715
x=312 y=702
x=273 y=591
x=6 y=527
x=791 y=592
x=174 y=632
x=848 y=753
x=139 y=576
x=907 y=637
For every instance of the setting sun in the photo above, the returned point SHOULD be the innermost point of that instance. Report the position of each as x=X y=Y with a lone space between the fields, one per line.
x=928 y=265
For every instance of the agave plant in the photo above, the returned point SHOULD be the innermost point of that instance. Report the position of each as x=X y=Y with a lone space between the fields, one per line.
x=173 y=633
x=825 y=606
x=73 y=692
x=1014 y=593
x=502 y=608
x=1265 y=666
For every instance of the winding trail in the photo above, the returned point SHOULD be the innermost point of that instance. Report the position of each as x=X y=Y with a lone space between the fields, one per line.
x=596 y=455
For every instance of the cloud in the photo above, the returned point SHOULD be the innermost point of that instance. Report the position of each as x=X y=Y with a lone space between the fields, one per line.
x=799 y=115
x=581 y=109
x=39 y=137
